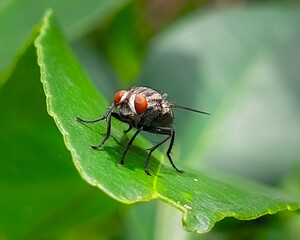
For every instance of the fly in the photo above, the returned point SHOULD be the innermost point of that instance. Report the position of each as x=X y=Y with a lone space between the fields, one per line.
x=144 y=109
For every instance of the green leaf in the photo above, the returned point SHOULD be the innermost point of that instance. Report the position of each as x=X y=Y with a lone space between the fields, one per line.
x=39 y=186
x=241 y=65
x=18 y=18
x=77 y=96
x=204 y=198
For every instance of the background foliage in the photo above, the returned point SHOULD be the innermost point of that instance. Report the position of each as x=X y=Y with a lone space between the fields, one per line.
x=240 y=63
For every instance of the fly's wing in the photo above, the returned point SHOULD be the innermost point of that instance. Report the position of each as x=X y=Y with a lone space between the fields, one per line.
x=163 y=118
x=172 y=105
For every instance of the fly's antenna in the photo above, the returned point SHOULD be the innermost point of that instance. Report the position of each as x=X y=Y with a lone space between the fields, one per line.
x=189 y=109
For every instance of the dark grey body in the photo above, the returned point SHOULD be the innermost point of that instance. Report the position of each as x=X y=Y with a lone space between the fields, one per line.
x=158 y=113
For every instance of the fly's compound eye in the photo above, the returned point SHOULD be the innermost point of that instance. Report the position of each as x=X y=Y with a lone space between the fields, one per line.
x=118 y=96
x=140 y=104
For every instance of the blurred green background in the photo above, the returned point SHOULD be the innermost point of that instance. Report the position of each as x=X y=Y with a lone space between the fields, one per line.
x=239 y=60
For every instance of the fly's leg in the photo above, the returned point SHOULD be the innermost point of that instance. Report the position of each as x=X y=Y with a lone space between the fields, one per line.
x=90 y=121
x=170 y=149
x=116 y=116
x=129 y=144
x=107 y=133
x=146 y=166
x=163 y=131
x=97 y=120
x=129 y=128
x=107 y=116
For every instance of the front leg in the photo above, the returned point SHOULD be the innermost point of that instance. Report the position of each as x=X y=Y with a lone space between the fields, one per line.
x=115 y=115
x=107 y=133
x=97 y=120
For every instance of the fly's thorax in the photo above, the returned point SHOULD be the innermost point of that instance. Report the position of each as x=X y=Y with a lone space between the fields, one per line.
x=159 y=114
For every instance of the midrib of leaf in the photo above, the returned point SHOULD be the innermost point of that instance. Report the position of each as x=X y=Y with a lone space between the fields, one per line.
x=155 y=193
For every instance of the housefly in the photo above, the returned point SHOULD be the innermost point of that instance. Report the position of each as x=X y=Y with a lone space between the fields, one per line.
x=144 y=109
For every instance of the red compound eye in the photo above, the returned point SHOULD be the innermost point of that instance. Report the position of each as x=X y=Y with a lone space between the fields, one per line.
x=118 y=96
x=140 y=104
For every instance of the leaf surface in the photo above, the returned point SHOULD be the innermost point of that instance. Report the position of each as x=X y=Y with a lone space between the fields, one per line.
x=204 y=198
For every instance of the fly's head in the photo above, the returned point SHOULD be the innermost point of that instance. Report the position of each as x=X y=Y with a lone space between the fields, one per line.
x=129 y=104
